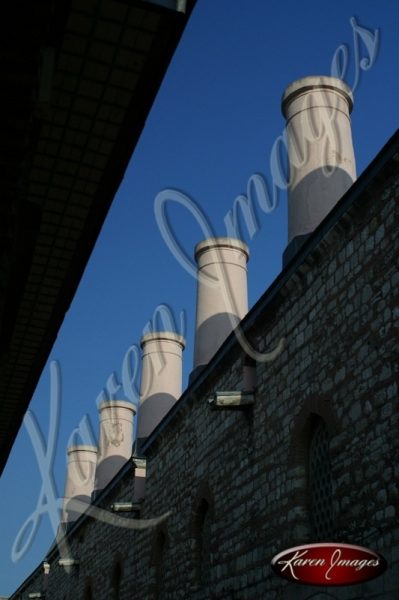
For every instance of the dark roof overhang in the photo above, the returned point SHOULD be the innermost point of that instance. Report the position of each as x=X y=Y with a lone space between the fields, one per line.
x=78 y=81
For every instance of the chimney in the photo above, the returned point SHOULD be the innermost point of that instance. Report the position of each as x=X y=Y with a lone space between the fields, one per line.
x=161 y=379
x=79 y=485
x=115 y=440
x=320 y=152
x=222 y=298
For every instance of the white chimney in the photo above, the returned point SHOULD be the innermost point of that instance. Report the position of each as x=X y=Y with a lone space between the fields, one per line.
x=79 y=485
x=320 y=151
x=115 y=440
x=222 y=297
x=161 y=378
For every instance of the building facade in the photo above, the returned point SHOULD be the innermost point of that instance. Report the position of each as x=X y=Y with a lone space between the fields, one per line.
x=306 y=454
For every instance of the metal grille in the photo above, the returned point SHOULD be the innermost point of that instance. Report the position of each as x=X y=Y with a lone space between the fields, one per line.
x=204 y=543
x=161 y=570
x=206 y=547
x=116 y=581
x=320 y=484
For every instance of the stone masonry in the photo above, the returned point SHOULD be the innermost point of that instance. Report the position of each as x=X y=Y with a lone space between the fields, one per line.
x=236 y=482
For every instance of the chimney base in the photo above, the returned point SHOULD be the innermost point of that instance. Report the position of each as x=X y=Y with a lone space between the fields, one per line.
x=195 y=372
x=293 y=248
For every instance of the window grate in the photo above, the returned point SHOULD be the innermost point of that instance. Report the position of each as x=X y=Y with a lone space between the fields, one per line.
x=320 y=484
x=161 y=571
x=204 y=558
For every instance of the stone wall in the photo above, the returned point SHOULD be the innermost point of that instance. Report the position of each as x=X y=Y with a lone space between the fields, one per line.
x=237 y=482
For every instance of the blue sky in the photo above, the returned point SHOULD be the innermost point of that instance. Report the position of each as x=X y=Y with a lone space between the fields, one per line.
x=212 y=126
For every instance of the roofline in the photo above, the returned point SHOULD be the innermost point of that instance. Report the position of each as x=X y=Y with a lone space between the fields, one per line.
x=102 y=495
x=390 y=151
x=27 y=581
x=130 y=132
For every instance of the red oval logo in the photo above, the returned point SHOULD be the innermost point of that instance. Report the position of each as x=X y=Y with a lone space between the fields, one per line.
x=328 y=564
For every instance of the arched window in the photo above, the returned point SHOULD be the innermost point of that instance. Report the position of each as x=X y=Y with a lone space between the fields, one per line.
x=159 y=561
x=320 y=482
x=88 y=594
x=203 y=542
x=116 y=580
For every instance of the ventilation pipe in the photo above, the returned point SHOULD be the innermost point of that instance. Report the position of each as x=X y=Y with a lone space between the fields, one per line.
x=79 y=485
x=320 y=152
x=161 y=379
x=115 y=440
x=222 y=297
x=140 y=467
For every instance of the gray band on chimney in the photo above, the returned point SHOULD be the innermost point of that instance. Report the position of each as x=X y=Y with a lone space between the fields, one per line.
x=115 y=440
x=79 y=485
x=161 y=379
x=222 y=297
x=320 y=152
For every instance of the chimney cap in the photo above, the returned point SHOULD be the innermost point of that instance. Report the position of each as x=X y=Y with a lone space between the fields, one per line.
x=221 y=242
x=117 y=404
x=314 y=82
x=82 y=448
x=169 y=336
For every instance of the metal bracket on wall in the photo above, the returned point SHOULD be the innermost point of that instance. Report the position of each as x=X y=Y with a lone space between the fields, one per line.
x=128 y=507
x=68 y=564
x=232 y=400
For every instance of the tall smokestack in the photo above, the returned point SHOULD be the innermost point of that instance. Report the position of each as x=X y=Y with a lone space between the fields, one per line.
x=161 y=378
x=320 y=152
x=79 y=485
x=115 y=440
x=222 y=297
